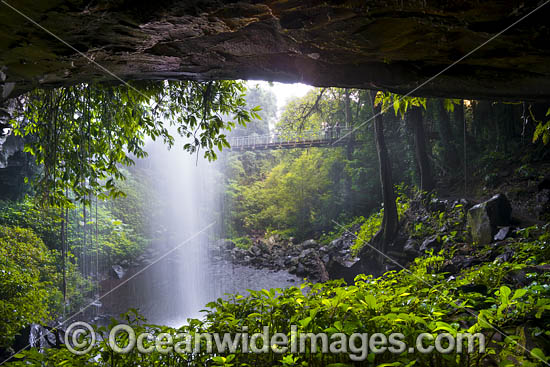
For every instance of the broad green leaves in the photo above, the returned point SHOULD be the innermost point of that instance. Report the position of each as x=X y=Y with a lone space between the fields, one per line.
x=542 y=131
x=401 y=104
x=82 y=135
x=398 y=302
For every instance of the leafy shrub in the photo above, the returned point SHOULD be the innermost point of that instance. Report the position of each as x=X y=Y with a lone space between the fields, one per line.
x=326 y=238
x=242 y=242
x=117 y=240
x=25 y=214
x=374 y=222
x=449 y=225
x=27 y=277
x=411 y=302
x=99 y=236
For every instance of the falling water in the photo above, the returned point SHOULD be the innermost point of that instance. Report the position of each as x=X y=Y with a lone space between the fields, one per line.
x=185 y=218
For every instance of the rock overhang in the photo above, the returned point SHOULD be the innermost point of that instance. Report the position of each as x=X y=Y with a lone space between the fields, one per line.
x=391 y=45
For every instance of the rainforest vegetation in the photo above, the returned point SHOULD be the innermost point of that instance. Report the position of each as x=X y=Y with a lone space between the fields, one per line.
x=85 y=205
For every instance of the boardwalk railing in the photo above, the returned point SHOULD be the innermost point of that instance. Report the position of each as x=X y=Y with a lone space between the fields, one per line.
x=302 y=139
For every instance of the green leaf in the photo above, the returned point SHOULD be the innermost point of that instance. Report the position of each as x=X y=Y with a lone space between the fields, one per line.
x=519 y=293
x=538 y=353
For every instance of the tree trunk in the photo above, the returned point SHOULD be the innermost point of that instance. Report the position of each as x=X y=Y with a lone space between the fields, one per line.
x=458 y=117
x=460 y=124
x=348 y=193
x=390 y=220
x=414 y=115
x=65 y=215
x=450 y=154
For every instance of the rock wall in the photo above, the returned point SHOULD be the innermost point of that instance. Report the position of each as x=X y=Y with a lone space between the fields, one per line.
x=377 y=44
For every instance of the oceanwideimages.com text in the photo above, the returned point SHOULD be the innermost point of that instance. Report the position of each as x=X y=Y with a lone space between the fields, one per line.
x=80 y=338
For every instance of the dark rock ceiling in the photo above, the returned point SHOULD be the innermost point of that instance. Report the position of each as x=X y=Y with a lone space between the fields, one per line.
x=394 y=45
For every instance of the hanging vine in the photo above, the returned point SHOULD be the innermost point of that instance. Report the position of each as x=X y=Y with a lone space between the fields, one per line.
x=82 y=135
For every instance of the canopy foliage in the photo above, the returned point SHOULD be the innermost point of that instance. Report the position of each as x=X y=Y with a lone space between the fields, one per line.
x=82 y=135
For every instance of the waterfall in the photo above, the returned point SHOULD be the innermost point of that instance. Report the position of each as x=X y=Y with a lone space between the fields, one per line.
x=185 y=211
x=183 y=214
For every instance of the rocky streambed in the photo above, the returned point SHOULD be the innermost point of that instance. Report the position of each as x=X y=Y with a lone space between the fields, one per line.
x=308 y=259
x=459 y=224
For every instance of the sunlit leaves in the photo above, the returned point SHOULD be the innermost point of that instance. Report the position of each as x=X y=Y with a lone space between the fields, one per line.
x=542 y=130
x=401 y=104
x=82 y=134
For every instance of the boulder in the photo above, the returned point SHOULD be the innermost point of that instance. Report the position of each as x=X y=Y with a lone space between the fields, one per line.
x=347 y=269
x=222 y=245
x=227 y=244
x=502 y=234
x=305 y=254
x=411 y=247
x=485 y=219
x=309 y=244
x=293 y=261
x=301 y=270
x=254 y=251
x=437 y=205
x=238 y=254
x=273 y=240
x=432 y=242
x=117 y=271
x=505 y=256
x=263 y=246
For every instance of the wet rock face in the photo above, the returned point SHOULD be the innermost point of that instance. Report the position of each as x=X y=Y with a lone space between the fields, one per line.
x=485 y=219
x=377 y=44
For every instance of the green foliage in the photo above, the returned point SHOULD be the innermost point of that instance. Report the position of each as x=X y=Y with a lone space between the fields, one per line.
x=264 y=104
x=326 y=238
x=400 y=103
x=242 y=242
x=81 y=135
x=322 y=105
x=300 y=192
x=295 y=194
x=542 y=130
x=411 y=302
x=104 y=237
x=449 y=225
x=27 y=278
x=373 y=223
x=116 y=240
x=368 y=231
x=44 y=222
x=109 y=233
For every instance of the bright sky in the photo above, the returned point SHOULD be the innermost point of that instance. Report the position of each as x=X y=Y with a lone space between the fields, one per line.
x=283 y=91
